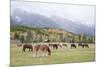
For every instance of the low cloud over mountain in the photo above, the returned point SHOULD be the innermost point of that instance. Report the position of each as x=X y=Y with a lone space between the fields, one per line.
x=22 y=17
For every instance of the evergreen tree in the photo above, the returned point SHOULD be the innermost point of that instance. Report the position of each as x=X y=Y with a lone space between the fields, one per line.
x=22 y=39
x=16 y=36
x=29 y=37
x=84 y=38
x=73 y=39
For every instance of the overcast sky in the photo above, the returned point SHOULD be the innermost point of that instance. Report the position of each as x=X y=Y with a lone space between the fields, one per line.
x=80 y=13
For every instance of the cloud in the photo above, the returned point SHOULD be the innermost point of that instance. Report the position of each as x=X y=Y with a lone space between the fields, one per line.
x=80 y=13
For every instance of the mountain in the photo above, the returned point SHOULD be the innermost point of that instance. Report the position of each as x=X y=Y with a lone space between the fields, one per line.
x=72 y=26
x=21 y=17
x=25 y=18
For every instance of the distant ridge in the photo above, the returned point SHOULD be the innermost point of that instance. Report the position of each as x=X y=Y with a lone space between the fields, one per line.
x=24 y=18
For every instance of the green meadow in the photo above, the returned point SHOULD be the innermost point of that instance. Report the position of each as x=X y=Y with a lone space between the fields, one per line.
x=61 y=55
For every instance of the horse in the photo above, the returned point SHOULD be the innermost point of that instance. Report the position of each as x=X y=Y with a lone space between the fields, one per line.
x=65 y=45
x=43 y=48
x=73 y=45
x=27 y=46
x=55 y=46
x=60 y=45
x=80 y=45
x=19 y=45
x=85 y=45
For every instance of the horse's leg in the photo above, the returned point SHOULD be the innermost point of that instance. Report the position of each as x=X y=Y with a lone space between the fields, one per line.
x=83 y=46
x=29 y=49
x=24 y=49
x=46 y=53
x=87 y=46
x=43 y=53
x=34 y=53
x=39 y=53
x=71 y=47
x=75 y=46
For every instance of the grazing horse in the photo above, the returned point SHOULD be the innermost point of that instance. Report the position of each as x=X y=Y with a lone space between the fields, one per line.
x=80 y=45
x=73 y=45
x=85 y=45
x=55 y=46
x=65 y=45
x=27 y=46
x=19 y=45
x=60 y=45
x=43 y=48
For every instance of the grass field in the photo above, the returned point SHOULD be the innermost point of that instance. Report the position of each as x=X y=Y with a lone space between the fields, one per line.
x=62 y=55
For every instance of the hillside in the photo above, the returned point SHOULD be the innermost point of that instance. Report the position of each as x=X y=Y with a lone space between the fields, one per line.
x=54 y=34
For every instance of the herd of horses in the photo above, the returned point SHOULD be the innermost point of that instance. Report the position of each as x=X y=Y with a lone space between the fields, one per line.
x=46 y=48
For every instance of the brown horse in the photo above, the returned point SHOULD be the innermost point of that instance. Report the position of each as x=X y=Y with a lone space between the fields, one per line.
x=27 y=46
x=41 y=48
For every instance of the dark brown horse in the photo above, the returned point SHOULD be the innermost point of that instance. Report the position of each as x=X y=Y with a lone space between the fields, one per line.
x=27 y=46
x=55 y=46
x=85 y=45
x=73 y=46
x=41 y=48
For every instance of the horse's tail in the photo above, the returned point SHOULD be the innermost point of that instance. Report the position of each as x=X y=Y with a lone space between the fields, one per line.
x=49 y=51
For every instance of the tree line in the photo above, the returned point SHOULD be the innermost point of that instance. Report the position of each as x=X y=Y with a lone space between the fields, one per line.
x=38 y=37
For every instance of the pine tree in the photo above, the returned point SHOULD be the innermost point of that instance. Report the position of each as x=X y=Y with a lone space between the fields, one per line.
x=22 y=39
x=16 y=36
x=29 y=37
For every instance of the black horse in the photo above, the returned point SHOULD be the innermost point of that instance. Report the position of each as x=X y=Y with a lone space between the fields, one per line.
x=27 y=46
x=54 y=46
x=73 y=46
